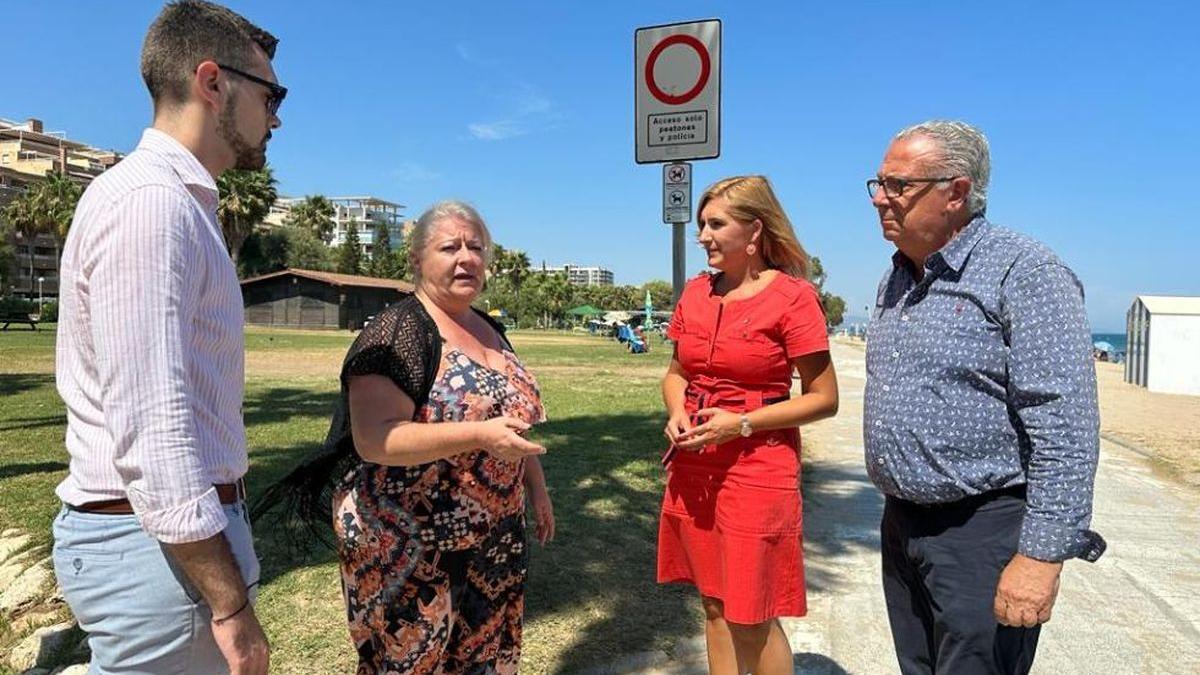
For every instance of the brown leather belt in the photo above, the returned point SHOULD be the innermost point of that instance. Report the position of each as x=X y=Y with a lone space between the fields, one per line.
x=228 y=493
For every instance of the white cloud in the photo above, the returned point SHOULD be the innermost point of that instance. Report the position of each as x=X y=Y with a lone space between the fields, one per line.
x=496 y=131
x=530 y=101
x=521 y=109
x=469 y=55
x=411 y=172
x=529 y=111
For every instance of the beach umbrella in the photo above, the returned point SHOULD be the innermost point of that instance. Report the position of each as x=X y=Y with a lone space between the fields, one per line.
x=648 y=321
x=1104 y=346
x=585 y=310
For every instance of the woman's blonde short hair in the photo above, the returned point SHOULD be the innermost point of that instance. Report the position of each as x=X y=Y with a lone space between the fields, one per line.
x=440 y=211
x=751 y=198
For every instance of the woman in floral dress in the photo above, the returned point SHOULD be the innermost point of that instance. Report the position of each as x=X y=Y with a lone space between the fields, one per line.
x=432 y=472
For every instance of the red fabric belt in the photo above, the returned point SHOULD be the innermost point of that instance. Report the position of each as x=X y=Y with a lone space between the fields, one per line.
x=753 y=400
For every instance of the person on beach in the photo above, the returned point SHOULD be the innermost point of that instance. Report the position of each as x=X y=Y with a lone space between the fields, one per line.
x=980 y=420
x=425 y=472
x=152 y=549
x=731 y=514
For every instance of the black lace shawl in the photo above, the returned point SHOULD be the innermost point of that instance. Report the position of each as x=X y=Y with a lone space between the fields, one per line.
x=401 y=343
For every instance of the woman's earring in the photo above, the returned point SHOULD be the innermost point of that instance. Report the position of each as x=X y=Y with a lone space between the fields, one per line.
x=750 y=249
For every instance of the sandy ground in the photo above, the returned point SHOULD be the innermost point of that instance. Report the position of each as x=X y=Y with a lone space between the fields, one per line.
x=1165 y=427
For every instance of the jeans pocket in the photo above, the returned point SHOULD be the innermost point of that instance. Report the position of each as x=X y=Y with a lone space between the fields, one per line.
x=71 y=563
x=87 y=555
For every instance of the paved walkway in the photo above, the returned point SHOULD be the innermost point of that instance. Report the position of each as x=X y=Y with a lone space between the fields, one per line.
x=1136 y=610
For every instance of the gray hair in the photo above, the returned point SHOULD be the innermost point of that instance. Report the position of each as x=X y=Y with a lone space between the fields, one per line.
x=964 y=152
x=434 y=215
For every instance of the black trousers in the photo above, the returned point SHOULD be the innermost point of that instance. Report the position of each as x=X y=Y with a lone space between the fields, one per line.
x=941 y=565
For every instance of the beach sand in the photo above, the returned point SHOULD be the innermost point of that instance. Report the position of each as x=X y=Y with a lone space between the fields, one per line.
x=1165 y=427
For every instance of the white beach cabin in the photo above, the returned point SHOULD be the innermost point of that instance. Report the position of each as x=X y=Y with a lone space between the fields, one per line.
x=1163 y=352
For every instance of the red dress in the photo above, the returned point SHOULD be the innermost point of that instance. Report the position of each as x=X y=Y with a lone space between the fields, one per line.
x=731 y=514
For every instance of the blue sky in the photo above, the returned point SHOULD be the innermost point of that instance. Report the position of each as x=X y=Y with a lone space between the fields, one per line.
x=526 y=110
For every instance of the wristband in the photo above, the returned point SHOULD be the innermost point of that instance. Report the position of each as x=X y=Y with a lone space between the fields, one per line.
x=245 y=604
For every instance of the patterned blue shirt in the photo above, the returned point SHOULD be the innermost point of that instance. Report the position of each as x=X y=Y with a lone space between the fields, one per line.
x=980 y=377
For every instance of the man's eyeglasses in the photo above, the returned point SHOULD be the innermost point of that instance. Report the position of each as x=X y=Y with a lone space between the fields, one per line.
x=894 y=186
x=274 y=99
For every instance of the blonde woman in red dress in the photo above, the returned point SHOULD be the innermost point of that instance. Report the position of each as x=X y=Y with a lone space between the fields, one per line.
x=731 y=514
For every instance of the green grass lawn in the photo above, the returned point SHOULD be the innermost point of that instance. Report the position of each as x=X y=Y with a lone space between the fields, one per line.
x=591 y=596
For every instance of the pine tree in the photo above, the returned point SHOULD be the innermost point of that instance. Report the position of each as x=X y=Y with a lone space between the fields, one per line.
x=381 y=252
x=350 y=257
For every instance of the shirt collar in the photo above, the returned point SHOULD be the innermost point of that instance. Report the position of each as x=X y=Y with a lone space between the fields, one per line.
x=190 y=170
x=954 y=254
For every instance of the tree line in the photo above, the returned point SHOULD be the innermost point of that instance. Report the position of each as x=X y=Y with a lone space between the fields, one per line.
x=303 y=240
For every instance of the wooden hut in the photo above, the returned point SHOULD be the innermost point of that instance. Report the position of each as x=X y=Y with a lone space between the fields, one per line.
x=296 y=298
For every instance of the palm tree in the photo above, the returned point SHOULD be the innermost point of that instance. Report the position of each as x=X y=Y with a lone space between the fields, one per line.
x=314 y=214
x=517 y=268
x=246 y=198
x=509 y=264
x=6 y=255
x=55 y=202
x=22 y=216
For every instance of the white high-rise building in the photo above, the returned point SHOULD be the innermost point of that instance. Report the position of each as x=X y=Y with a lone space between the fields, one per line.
x=368 y=212
x=579 y=275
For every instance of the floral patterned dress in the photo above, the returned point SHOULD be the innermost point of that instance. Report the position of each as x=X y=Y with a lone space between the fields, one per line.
x=434 y=556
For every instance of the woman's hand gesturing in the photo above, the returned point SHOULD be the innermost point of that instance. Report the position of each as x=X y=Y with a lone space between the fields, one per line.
x=500 y=436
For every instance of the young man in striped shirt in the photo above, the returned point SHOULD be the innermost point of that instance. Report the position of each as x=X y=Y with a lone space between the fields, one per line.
x=153 y=550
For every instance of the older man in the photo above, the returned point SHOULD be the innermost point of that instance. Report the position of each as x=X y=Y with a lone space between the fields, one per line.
x=152 y=548
x=981 y=424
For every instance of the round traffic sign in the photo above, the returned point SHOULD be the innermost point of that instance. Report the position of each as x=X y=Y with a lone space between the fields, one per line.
x=705 y=69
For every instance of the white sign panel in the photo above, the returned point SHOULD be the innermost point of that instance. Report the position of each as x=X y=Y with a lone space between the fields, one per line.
x=677 y=193
x=677 y=91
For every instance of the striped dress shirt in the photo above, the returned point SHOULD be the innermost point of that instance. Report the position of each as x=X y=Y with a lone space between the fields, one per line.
x=150 y=345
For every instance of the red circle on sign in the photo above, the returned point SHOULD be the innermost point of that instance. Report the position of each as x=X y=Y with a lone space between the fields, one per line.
x=705 y=69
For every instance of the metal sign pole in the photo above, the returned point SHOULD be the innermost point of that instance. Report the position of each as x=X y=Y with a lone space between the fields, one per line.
x=678 y=260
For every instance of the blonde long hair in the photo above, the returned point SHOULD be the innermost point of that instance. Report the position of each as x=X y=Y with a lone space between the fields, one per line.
x=751 y=198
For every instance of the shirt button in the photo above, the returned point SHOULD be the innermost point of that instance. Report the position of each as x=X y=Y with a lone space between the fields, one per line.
x=904 y=317
x=895 y=355
x=878 y=423
x=879 y=461
x=886 y=388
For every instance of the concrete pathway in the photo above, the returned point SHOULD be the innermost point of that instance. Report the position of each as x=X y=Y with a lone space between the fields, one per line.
x=1136 y=610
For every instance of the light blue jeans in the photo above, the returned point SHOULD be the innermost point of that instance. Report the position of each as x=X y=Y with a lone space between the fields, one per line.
x=141 y=613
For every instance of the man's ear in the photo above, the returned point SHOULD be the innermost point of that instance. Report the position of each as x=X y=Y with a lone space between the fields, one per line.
x=209 y=87
x=960 y=192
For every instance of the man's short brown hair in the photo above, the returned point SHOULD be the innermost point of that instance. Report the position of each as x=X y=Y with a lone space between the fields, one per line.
x=189 y=32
